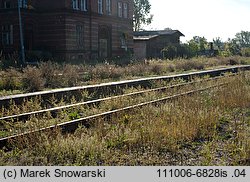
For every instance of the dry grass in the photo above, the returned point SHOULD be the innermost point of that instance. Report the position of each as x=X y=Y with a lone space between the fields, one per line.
x=210 y=128
x=52 y=75
x=10 y=79
x=84 y=111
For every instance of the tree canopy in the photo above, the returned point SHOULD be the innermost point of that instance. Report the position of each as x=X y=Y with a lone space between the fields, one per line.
x=243 y=39
x=142 y=14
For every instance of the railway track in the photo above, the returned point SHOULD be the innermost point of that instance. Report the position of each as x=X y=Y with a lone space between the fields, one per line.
x=112 y=87
x=55 y=110
x=72 y=125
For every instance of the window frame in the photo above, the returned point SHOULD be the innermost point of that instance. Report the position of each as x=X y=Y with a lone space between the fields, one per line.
x=100 y=6
x=119 y=9
x=123 y=39
x=83 y=5
x=75 y=4
x=80 y=35
x=7 y=35
x=7 y=4
x=109 y=7
x=23 y=3
x=125 y=10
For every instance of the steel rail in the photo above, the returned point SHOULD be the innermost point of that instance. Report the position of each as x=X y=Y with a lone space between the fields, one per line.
x=71 y=126
x=100 y=88
x=25 y=116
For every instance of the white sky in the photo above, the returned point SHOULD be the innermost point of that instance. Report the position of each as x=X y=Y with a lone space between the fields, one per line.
x=208 y=18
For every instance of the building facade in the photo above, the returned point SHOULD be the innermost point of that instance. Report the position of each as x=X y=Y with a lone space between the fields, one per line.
x=149 y=44
x=68 y=29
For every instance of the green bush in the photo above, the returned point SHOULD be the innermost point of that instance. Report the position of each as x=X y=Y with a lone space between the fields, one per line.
x=225 y=53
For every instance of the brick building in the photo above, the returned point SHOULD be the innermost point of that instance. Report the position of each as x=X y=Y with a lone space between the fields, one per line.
x=68 y=29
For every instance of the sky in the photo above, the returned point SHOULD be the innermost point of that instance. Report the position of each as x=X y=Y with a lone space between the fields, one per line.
x=208 y=18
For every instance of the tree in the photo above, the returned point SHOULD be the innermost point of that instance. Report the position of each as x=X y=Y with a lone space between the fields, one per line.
x=231 y=48
x=243 y=39
x=201 y=42
x=141 y=14
x=196 y=45
x=218 y=43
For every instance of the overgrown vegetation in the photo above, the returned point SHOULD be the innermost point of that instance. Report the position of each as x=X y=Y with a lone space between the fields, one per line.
x=208 y=128
x=197 y=46
x=83 y=110
x=49 y=75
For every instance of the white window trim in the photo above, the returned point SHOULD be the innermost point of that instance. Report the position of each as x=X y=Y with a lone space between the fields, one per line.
x=83 y=5
x=75 y=4
x=119 y=8
x=100 y=6
x=108 y=7
x=125 y=10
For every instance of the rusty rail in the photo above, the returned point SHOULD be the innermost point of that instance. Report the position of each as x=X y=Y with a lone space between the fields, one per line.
x=25 y=116
x=109 y=87
x=71 y=126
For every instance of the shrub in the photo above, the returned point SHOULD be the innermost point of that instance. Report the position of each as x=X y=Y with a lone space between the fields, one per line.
x=138 y=69
x=170 y=67
x=10 y=79
x=32 y=79
x=50 y=72
x=70 y=75
x=245 y=52
x=100 y=72
x=230 y=61
x=186 y=65
x=157 y=68
x=116 y=72
x=225 y=53
x=106 y=71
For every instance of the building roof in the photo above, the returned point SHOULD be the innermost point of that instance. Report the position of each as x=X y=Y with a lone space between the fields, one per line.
x=146 y=35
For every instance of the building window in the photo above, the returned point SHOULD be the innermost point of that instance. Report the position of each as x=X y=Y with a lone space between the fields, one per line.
x=79 y=35
x=124 y=41
x=108 y=7
x=6 y=4
x=23 y=3
x=125 y=10
x=119 y=9
x=75 y=4
x=83 y=5
x=7 y=34
x=100 y=7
